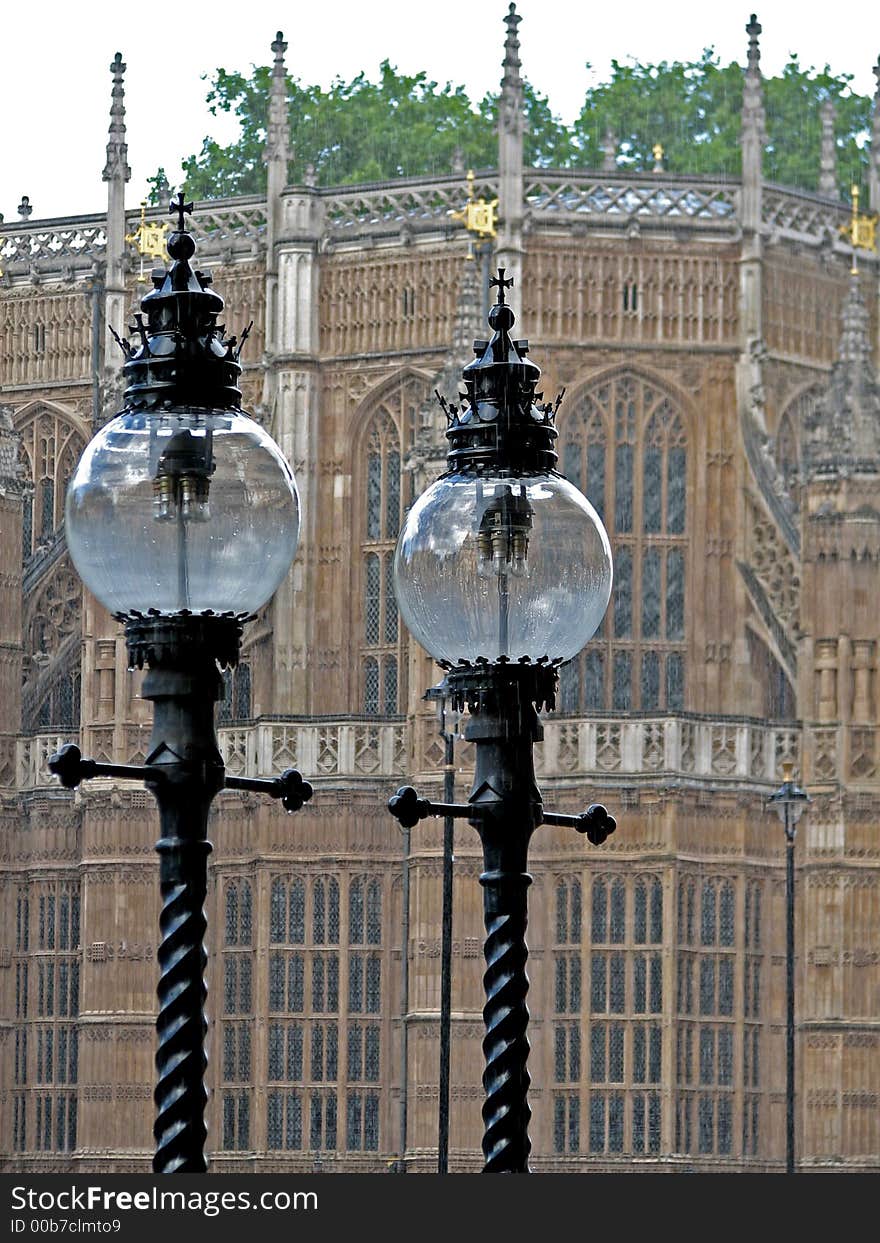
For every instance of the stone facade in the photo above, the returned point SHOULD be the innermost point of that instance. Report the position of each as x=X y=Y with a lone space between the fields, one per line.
x=725 y=421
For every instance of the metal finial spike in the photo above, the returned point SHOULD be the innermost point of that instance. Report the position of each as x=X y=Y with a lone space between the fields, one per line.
x=121 y=342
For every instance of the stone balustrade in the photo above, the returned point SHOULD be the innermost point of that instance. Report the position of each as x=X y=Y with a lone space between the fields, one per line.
x=350 y=748
x=230 y=230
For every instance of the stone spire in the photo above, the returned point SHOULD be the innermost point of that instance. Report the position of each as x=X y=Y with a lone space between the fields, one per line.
x=277 y=153
x=842 y=433
x=278 y=136
x=276 y=157
x=874 y=160
x=828 y=156
x=609 y=152
x=753 y=133
x=511 y=128
x=117 y=150
x=116 y=174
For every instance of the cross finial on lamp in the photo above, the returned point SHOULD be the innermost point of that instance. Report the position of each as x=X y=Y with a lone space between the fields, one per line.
x=501 y=284
x=180 y=208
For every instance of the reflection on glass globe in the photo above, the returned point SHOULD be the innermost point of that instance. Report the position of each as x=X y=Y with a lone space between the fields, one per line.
x=502 y=566
x=182 y=509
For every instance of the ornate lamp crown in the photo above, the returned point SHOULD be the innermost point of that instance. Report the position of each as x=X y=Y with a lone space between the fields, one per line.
x=184 y=357
x=502 y=424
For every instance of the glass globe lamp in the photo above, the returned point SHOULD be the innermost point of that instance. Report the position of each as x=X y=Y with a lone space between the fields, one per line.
x=182 y=509
x=498 y=565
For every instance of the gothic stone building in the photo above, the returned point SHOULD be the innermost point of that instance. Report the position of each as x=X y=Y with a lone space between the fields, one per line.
x=722 y=413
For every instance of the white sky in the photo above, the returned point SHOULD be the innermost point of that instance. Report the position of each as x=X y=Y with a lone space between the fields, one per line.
x=55 y=81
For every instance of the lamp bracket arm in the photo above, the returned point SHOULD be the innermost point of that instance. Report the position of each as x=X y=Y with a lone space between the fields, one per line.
x=595 y=822
x=69 y=766
x=289 y=787
x=409 y=809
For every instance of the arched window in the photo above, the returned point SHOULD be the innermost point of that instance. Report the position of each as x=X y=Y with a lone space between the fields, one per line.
x=381 y=637
x=623 y=444
x=49 y=453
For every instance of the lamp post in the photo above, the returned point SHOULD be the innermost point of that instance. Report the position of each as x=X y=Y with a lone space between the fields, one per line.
x=502 y=572
x=789 y=802
x=447 y=733
x=182 y=518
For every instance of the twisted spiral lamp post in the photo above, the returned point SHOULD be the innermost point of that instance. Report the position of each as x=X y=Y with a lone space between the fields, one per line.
x=502 y=572
x=789 y=802
x=182 y=518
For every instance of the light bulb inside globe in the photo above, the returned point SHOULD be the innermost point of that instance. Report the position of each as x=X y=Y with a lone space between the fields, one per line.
x=182 y=509
x=494 y=565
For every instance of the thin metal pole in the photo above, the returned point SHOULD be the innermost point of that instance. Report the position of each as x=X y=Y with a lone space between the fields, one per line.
x=789 y=985
x=404 y=1005
x=446 y=956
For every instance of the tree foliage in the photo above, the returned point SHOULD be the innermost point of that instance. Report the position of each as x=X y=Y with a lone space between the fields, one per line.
x=407 y=125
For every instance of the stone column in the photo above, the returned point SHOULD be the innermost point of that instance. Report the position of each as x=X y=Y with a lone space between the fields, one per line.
x=293 y=397
x=828 y=157
x=511 y=128
x=874 y=161
x=12 y=484
x=116 y=174
x=276 y=157
x=752 y=141
x=749 y=377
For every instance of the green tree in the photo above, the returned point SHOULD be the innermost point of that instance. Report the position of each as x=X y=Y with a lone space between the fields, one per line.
x=792 y=103
x=694 y=109
x=691 y=109
x=407 y=125
x=399 y=126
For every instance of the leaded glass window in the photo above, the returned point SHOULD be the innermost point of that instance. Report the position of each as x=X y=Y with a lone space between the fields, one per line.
x=322 y=1121
x=238 y=913
x=383 y=642
x=284 y=1120
x=356 y=911
x=236 y=1120
x=235 y=704
x=362 y=1122
x=625 y=439
x=566 y=1122
x=374 y=913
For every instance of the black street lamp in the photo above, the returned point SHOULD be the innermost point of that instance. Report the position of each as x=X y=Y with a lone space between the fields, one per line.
x=182 y=518
x=502 y=572
x=790 y=802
